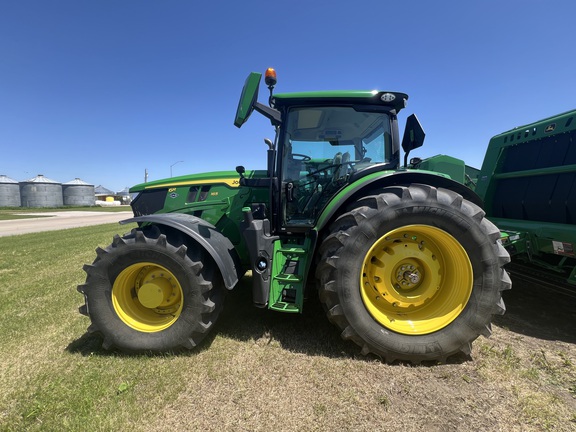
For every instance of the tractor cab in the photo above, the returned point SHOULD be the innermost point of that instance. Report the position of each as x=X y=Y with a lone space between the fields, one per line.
x=324 y=141
x=323 y=147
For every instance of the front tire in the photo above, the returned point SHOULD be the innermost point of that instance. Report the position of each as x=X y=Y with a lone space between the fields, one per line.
x=413 y=273
x=148 y=293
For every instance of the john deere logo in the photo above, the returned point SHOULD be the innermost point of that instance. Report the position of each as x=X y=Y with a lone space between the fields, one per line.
x=550 y=128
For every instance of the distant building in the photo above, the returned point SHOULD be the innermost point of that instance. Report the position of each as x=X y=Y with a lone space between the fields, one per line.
x=125 y=196
x=106 y=197
x=101 y=193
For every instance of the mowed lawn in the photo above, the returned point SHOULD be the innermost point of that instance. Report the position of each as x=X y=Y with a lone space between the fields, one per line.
x=259 y=370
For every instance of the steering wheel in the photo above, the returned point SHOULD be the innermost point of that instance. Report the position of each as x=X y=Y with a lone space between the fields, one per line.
x=338 y=165
x=302 y=157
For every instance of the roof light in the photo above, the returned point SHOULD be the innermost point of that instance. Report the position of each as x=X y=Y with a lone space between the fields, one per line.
x=388 y=97
x=270 y=77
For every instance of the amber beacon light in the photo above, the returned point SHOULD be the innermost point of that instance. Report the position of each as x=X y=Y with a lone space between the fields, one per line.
x=270 y=77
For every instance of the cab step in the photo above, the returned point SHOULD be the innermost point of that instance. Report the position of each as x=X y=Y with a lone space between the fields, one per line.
x=289 y=265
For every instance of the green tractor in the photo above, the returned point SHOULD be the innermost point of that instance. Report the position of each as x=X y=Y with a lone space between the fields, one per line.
x=404 y=261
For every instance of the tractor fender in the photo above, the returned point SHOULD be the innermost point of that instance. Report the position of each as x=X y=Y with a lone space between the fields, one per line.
x=365 y=185
x=206 y=235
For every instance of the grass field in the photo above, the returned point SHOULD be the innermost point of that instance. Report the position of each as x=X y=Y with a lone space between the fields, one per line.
x=261 y=370
x=10 y=216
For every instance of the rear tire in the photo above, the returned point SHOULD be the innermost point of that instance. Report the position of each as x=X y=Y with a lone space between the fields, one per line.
x=413 y=273
x=145 y=293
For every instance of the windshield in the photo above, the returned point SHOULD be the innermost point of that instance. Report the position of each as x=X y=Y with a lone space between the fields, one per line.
x=322 y=147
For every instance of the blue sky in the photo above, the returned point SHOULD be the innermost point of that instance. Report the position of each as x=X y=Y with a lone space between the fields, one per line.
x=103 y=90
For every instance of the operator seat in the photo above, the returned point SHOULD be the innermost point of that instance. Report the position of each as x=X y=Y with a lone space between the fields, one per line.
x=342 y=161
x=293 y=166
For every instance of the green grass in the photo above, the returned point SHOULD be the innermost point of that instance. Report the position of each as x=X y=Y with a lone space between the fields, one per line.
x=258 y=370
x=11 y=216
x=45 y=382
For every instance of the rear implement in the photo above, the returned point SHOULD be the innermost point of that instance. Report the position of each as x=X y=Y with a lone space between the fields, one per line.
x=528 y=183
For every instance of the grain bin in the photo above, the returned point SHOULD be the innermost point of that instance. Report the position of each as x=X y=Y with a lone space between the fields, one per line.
x=40 y=191
x=78 y=193
x=9 y=192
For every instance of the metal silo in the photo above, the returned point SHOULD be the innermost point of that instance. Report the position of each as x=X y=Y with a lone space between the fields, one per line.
x=9 y=192
x=78 y=193
x=40 y=191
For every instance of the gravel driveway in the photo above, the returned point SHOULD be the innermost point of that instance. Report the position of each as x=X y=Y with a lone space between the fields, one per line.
x=51 y=221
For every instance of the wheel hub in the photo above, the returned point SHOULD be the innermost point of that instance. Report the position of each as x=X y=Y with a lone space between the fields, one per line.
x=156 y=290
x=151 y=295
x=408 y=277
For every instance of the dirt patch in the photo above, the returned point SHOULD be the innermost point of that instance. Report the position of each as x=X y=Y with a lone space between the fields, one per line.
x=294 y=373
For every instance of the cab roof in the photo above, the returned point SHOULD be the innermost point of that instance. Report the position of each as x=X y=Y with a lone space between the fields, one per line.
x=394 y=100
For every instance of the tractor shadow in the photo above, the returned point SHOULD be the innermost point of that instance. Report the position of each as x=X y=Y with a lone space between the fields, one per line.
x=86 y=345
x=309 y=333
x=90 y=344
x=533 y=310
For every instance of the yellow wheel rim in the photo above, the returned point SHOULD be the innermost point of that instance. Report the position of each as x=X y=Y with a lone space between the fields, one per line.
x=416 y=279
x=147 y=297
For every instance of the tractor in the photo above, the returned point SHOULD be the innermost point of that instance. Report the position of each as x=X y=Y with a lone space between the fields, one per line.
x=403 y=259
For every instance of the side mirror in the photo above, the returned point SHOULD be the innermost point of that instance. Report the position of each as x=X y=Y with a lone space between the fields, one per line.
x=413 y=136
x=248 y=98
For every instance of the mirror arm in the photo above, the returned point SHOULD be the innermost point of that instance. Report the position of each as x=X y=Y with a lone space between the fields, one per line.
x=270 y=113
